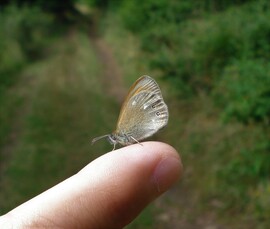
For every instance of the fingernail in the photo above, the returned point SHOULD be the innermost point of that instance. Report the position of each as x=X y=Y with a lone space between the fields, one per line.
x=166 y=173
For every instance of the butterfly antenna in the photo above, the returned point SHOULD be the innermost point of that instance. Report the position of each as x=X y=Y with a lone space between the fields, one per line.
x=98 y=138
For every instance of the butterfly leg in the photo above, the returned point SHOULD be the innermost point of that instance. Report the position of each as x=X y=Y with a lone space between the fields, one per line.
x=136 y=140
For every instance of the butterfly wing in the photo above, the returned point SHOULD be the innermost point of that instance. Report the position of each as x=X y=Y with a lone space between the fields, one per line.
x=144 y=111
x=144 y=83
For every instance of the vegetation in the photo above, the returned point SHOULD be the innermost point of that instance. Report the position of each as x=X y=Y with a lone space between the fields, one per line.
x=212 y=60
x=216 y=55
x=47 y=102
x=56 y=8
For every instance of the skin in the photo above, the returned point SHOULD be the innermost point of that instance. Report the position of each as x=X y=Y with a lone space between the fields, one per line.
x=108 y=193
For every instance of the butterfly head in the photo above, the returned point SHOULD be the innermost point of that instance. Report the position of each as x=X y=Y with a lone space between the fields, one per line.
x=112 y=139
x=115 y=138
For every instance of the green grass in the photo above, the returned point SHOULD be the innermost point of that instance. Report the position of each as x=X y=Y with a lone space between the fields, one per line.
x=64 y=108
x=144 y=220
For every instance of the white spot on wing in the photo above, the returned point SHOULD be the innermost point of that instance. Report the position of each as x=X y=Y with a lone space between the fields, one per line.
x=134 y=103
x=145 y=106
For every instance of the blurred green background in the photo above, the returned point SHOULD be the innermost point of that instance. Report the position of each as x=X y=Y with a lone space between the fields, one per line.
x=65 y=67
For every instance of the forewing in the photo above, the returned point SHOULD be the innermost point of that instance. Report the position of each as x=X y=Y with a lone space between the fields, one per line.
x=143 y=84
x=144 y=114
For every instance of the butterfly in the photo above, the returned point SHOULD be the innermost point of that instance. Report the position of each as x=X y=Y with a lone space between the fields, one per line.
x=142 y=114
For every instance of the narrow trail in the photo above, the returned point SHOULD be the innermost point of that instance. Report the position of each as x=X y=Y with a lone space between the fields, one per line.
x=111 y=75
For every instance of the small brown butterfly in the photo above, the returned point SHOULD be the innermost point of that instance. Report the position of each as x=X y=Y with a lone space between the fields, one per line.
x=143 y=113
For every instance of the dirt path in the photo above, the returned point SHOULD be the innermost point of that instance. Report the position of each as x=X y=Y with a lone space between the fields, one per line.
x=111 y=75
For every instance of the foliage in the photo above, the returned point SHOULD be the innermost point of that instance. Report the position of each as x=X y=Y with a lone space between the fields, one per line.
x=57 y=8
x=197 y=54
x=246 y=167
x=153 y=14
x=245 y=84
x=245 y=179
x=216 y=55
x=23 y=37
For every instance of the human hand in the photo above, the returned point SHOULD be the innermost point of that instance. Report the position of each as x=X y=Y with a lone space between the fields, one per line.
x=108 y=193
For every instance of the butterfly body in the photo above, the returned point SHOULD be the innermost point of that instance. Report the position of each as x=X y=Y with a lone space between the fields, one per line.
x=143 y=113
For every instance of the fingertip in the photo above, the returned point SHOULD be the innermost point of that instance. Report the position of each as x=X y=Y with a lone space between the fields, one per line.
x=161 y=159
x=169 y=168
x=163 y=148
x=156 y=149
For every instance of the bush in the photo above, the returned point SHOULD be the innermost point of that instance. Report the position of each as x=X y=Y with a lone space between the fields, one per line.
x=246 y=171
x=153 y=14
x=29 y=27
x=24 y=35
x=191 y=47
x=244 y=91
x=57 y=8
